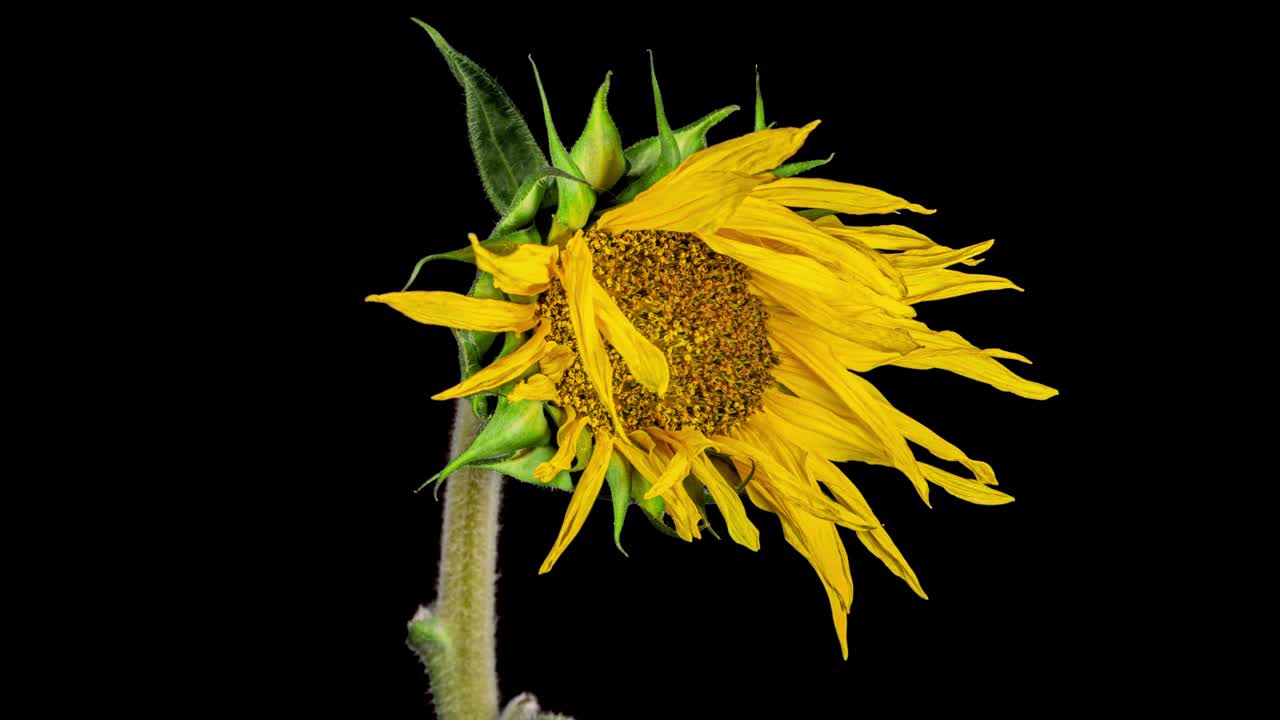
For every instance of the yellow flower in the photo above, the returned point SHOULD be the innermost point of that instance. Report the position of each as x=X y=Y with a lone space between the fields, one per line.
x=706 y=333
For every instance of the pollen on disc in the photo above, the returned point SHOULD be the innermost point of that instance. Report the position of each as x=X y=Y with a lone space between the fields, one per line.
x=695 y=306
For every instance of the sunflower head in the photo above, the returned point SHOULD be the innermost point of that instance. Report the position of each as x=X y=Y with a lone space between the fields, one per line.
x=694 y=326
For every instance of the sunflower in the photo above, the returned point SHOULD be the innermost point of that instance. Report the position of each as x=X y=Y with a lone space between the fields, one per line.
x=705 y=339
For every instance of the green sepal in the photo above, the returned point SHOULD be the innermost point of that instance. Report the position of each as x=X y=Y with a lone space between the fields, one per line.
x=500 y=244
x=795 y=168
x=668 y=147
x=598 y=151
x=504 y=149
x=514 y=425
x=815 y=213
x=576 y=200
x=473 y=344
x=759 y=122
x=691 y=138
x=530 y=199
x=521 y=464
x=618 y=475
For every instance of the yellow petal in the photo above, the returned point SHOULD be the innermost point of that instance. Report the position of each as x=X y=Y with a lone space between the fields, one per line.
x=578 y=284
x=683 y=202
x=879 y=237
x=556 y=361
x=769 y=221
x=832 y=195
x=537 y=387
x=949 y=351
x=965 y=488
x=772 y=472
x=584 y=496
x=939 y=257
x=943 y=284
x=819 y=543
x=433 y=307
x=840 y=320
x=860 y=352
x=749 y=154
x=864 y=404
x=648 y=364
x=805 y=273
x=876 y=539
x=504 y=369
x=675 y=472
x=639 y=459
x=566 y=447
x=741 y=529
x=820 y=430
x=526 y=271
x=684 y=512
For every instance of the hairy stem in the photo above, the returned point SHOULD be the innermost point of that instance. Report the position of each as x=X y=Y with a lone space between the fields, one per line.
x=456 y=638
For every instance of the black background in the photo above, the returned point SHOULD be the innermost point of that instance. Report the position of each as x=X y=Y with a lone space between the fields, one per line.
x=213 y=442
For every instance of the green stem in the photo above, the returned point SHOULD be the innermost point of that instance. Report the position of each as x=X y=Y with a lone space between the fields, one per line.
x=456 y=637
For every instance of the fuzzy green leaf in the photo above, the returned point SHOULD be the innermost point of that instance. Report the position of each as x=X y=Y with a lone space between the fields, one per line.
x=504 y=149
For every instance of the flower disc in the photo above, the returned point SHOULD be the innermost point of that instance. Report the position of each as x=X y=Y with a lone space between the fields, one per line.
x=695 y=306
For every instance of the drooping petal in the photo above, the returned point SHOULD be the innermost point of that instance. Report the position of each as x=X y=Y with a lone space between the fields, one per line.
x=939 y=257
x=819 y=402
x=537 y=387
x=806 y=192
x=676 y=470
x=852 y=391
x=556 y=361
x=772 y=471
x=566 y=447
x=949 y=351
x=965 y=488
x=578 y=284
x=683 y=202
x=434 y=307
x=879 y=237
x=505 y=368
x=741 y=528
x=526 y=271
x=805 y=273
x=820 y=430
x=943 y=284
x=584 y=496
x=845 y=323
x=876 y=539
x=648 y=364
x=749 y=154
x=770 y=221
x=862 y=352
x=817 y=541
